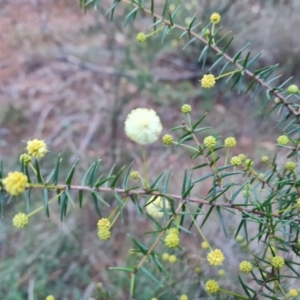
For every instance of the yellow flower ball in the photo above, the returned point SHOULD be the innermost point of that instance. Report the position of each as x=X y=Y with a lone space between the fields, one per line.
x=167 y=139
x=184 y=297
x=293 y=293
x=25 y=159
x=103 y=223
x=230 y=142
x=215 y=18
x=208 y=81
x=50 y=297
x=143 y=126
x=210 y=142
x=276 y=100
x=156 y=208
x=290 y=166
x=277 y=262
x=104 y=233
x=283 y=140
x=135 y=175
x=172 y=259
x=15 y=183
x=204 y=245
x=235 y=160
x=165 y=256
x=215 y=257
x=293 y=89
x=239 y=238
x=298 y=203
x=36 y=148
x=20 y=220
x=265 y=159
x=141 y=37
x=212 y=286
x=245 y=267
x=172 y=240
x=186 y=108
x=221 y=272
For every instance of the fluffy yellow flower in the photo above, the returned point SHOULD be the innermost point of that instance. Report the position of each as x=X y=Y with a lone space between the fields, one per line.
x=293 y=89
x=104 y=233
x=15 y=183
x=277 y=262
x=245 y=267
x=204 y=245
x=208 y=81
x=102 y=223
x=265 y=159
x=293 y=293
x=141 y=37
x=20 y=220
x=290 y=166
x=215 y=18
x=283 y=140
x=172 y=240
x=167 y=139
x=25 y=159
x=212 y=286
x=230 y=142
x=184 y=297
x=186 y=108
x=156 y=207
x=50 y=297
x=143 y=126
x=36 y=148
x=239 y=238
x=172 y=259
x=215 y=257
x=235 y=160
x=210 y=142
x=165 y=256
x=221 y=272
x=135 y=175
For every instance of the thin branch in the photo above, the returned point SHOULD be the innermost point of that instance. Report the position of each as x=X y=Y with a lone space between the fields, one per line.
x=129 y=193
x=218 y=51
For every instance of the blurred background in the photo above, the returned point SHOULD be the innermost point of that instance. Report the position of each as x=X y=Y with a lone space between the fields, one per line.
x=71 y=78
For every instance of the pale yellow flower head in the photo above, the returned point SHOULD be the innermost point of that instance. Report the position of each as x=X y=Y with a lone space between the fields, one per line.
x=143 y=126
x=155 y=208
x=215 y=257
x=36 y=148
x=15 y=183
x=20 y=220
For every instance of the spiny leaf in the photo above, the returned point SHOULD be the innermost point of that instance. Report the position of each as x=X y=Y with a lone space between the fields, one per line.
x=71 y=173
x=38 y=172
x=46 y=207
x=126 y=178
x=95 y=201
x=114 y=182
x=63 y=206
